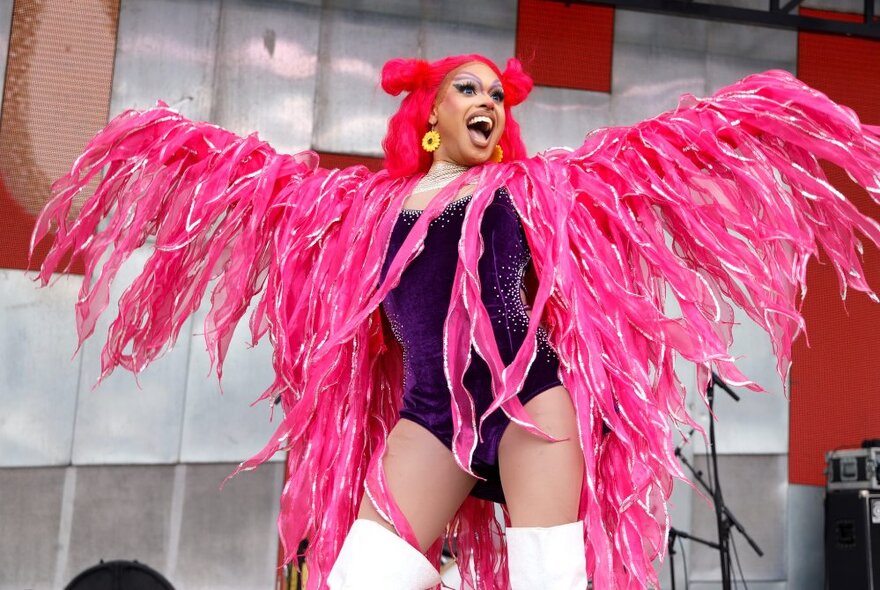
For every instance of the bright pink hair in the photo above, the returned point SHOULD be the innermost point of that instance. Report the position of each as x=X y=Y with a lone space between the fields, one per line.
x=422 y=80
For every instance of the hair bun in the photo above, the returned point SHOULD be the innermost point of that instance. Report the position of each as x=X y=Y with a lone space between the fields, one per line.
x=404 y=75
x=517 y=84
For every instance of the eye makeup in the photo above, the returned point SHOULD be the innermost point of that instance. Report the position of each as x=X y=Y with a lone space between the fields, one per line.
x=466 y=82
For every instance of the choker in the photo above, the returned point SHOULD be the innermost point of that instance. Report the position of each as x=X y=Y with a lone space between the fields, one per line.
x=440 y=175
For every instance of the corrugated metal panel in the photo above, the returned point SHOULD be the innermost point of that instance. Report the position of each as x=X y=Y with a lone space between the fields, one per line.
x=269 y=53
x=756 y=491
x=647 y=82
x=166 y=51
x=225 y=428
x=5 y=23
x=120 y=513
x=230 y=534
x=31 y=509
x=553 y=117
x=128 y=419
x=351 y=110
x=38 y=376
x=805 y=528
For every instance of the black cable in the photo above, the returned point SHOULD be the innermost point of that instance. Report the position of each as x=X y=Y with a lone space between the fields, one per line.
x=738 y=564
x=684 y=562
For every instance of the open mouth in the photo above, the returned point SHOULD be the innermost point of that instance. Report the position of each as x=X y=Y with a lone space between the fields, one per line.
x=480 y=128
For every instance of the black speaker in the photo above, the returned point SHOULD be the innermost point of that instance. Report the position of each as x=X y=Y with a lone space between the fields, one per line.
x=852 y=540
x=120 y=575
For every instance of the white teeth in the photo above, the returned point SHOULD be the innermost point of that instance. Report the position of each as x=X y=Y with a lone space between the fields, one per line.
x=481 y=119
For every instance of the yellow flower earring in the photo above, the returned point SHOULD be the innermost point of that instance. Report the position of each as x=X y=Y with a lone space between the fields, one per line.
x=497 y=154
x=431 y=140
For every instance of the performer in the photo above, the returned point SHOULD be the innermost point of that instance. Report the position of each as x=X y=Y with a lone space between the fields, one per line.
x=400 y=427
x=459 y=110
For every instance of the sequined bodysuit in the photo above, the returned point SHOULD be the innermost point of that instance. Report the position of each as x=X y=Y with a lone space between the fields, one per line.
x=417 y=307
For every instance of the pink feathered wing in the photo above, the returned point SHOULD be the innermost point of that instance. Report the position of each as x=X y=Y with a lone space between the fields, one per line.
x=719 y=201
x=257 y=230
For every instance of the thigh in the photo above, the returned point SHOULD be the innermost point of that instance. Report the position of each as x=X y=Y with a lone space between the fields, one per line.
x=542 y=480
x=424 y=480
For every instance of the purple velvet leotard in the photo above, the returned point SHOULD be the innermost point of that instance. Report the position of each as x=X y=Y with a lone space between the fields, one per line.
x=417 y=309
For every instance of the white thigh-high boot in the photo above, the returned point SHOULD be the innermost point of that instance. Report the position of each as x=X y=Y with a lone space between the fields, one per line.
x=551 y=558
x=374 y=558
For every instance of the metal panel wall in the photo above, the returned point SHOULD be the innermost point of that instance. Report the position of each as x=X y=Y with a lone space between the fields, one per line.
x=166 y=51
x=755 y=489
x=130 y=419
x=351 y=110
x=805 y=537
x=30 y=512
x=760 y=43
x=554 y=117
x=228 y=538
x=38 y=379
x=5 y=23
x=104 y=524
x=62 y=520
x=269 y=57
x=649 y=80
x=655 y=30
x=269 y=51
x=758 y=423
x=225 y=427
x=487 y=28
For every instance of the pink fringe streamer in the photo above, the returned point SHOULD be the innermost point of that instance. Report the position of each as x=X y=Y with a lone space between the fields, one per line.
x=719 y=202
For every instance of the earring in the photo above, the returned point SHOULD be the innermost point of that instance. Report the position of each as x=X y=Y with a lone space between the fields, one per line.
x=497 y=154
x=431 y=140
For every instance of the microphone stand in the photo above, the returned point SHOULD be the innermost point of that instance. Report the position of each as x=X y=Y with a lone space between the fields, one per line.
x=674 y=533
x=723 y=515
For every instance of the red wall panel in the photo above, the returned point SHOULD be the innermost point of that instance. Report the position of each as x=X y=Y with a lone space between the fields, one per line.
x=55 y=97
x=835 y=381
x=334 y=160
x=564 y=45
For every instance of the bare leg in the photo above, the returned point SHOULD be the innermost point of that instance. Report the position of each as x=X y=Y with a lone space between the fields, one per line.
x=425 y=481
x=542 y=480
x=542 y=483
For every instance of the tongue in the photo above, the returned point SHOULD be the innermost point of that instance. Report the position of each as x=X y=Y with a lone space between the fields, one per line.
x=477 y=136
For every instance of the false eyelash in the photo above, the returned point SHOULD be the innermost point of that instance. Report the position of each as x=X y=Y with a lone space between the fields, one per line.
x=497 y=95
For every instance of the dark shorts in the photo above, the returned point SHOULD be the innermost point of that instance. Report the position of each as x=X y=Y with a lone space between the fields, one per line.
x=433 y=412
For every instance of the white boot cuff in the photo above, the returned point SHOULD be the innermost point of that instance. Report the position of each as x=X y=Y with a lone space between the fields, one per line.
x=549 y=558
x=374 y=558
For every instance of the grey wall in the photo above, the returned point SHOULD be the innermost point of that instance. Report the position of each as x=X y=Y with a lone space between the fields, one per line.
x=82 y=468
x=59 y=521
x=5 y=22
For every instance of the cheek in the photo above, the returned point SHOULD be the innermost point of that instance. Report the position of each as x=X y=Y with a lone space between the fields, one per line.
x=502 y=127
x=446 y=116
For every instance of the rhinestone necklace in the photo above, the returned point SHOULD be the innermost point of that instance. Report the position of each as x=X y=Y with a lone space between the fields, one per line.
x=440 y=174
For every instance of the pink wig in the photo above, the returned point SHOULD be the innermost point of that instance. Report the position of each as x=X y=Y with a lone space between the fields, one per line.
x=422 y=80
